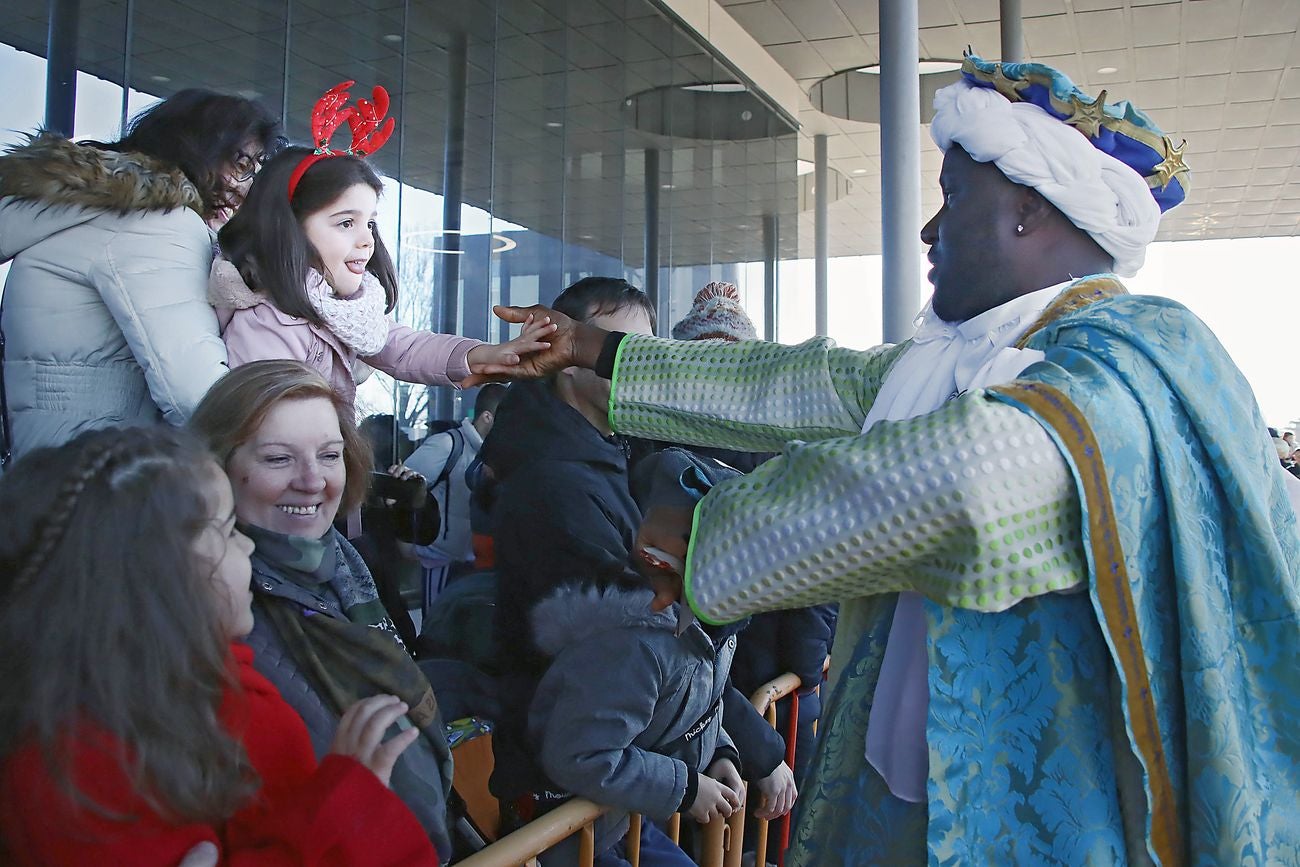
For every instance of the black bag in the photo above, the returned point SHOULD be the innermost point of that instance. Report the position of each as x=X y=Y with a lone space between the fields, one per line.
x=462 y=623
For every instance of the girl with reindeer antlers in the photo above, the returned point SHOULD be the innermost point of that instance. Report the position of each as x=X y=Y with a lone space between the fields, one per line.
x=307 y=277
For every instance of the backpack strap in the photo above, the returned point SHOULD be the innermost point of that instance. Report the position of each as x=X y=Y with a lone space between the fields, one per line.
x=6 y=435
x=444 y=477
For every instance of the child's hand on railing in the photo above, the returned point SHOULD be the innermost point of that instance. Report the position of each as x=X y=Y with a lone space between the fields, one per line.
x=776 y=793
x=712 y=800
x=724 y=771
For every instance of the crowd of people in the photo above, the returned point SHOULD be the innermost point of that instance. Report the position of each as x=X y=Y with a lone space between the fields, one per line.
x=1071 y=638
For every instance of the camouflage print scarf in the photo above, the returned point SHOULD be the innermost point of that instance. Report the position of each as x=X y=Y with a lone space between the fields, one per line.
x=354 y=658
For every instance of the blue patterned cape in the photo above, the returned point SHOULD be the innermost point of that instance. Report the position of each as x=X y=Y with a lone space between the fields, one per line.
x=1155 y=717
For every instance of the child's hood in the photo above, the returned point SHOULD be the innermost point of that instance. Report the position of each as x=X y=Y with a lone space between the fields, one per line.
x=227 y=289
x=575 y=613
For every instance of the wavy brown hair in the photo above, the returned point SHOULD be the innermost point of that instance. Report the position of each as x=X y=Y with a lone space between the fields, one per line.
x=235 y=407
x=108 y=624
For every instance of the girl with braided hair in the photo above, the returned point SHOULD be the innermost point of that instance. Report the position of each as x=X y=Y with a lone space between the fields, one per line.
x=143 y=731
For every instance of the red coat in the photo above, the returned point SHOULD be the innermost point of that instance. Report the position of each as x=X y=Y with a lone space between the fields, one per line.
x=334 y=813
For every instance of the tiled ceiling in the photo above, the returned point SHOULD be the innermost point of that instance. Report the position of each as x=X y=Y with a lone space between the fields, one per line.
x=1224 y=74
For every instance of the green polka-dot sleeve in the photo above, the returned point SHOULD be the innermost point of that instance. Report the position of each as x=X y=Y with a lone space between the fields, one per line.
x=749 y=396
x=971 y=505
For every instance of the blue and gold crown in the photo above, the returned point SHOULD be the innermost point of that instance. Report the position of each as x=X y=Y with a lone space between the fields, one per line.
x=1121 y=130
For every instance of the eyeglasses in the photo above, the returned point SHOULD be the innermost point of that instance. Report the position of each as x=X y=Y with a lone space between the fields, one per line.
x=245 y=166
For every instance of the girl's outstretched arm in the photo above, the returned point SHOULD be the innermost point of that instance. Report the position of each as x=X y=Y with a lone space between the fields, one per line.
x=489 y=357
x=445 y=359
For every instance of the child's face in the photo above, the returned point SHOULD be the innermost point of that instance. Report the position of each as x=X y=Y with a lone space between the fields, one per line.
x=342 y=234
x=223 y=553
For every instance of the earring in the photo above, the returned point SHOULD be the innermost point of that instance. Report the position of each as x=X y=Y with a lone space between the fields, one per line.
x=1020 y=230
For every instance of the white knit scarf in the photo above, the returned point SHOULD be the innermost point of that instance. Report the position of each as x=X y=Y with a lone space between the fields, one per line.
x=359 y=320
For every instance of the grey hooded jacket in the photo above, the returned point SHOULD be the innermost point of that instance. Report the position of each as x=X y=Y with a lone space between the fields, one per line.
x=106 y=319
x=611 y=717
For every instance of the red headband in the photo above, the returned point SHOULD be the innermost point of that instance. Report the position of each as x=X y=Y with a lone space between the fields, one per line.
x=368 y=135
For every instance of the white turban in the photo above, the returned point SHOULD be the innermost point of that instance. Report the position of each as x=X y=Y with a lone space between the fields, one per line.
x=1098 y=193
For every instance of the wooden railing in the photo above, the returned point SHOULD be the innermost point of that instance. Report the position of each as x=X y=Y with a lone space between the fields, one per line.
x=722 y=840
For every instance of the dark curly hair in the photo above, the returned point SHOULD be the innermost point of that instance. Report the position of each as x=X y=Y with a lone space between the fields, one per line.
x=201 y=132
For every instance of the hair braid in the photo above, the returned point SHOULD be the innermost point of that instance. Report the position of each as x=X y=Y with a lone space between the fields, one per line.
x=52 y=529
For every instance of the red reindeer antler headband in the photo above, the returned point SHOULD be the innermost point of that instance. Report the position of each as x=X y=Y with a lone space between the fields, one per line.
x=366 y=120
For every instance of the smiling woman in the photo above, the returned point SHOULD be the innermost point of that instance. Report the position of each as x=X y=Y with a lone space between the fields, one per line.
x=320 y=634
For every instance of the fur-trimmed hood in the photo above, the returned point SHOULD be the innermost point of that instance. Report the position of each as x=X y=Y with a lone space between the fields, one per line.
x=50 y=184
x=227 y=289
x=56 y=171
x=575 y=613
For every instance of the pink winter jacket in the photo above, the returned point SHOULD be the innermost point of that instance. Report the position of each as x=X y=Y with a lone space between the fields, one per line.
x=255 y=329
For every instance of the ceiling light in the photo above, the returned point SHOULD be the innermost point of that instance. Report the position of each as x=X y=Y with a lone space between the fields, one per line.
x=923 y=67
x=161 y=79
x=803 y=167
x=854 y=94
x=717 y=87
x=392 y=37
x=1107 y=70
x=859 y=171
x=667 y=186
x=553 y=124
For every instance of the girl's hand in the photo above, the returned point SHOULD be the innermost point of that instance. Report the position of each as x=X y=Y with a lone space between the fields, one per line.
x=204 y=854
x=571 y=344
x=488 y=358
x=361 y=734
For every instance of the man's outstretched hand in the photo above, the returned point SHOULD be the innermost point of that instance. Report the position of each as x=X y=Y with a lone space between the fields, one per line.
x=668 y=529
x=573 y=344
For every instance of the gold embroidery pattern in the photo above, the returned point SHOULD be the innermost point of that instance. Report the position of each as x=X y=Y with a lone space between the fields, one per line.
x=1115 y=596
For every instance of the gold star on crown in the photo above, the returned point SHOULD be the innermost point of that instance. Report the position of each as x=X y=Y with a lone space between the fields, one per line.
x=1171 y=166
x=1008 y=87
x=1087 y=117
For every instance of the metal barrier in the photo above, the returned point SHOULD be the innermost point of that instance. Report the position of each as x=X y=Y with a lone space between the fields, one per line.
x=722 y=840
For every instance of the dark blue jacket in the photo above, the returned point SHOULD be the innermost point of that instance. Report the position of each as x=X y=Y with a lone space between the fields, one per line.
x=562 y=514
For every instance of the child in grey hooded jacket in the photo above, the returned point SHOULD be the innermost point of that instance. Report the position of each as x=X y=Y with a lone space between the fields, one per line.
x=629 y=714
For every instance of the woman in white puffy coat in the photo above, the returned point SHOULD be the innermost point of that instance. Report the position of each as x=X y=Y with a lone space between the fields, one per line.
x=104 y=314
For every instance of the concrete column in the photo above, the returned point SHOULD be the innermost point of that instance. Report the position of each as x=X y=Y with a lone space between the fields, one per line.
x=61 y=66
x=771 y=255
x=900 y=160
x=1013 y=38
x=128 y=40
x=446 y=308
x=821 y=239
x=657 y=298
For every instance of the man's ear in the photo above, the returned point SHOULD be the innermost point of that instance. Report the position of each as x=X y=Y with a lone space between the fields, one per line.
x=1033 y=212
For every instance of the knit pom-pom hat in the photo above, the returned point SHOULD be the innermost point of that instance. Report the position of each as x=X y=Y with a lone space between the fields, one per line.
x=716 y=314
